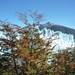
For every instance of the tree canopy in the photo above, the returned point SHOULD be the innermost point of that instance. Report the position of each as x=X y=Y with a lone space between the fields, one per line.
x=24 y=52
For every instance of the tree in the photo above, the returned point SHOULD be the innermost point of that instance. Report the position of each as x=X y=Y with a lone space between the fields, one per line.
x=63 y=62
x=8 y=42
x=27 y=52
x=35 y=51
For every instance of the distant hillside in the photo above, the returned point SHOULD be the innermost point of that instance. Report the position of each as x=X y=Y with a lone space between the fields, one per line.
x=55 y=27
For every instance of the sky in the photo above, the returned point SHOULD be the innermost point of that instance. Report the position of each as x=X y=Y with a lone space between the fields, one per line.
x=60 y=12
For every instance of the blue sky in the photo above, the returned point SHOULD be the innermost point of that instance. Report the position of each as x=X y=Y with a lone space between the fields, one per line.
x=60 y=12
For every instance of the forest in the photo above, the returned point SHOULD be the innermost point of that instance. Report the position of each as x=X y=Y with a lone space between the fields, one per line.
x=24 y=52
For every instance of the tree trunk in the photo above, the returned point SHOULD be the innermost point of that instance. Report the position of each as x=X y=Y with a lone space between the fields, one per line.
x=15 y=67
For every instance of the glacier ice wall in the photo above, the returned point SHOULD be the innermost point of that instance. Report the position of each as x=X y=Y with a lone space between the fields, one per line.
x=62 y=40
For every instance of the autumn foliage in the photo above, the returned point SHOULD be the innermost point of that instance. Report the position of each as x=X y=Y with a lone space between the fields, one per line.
x=24 y=52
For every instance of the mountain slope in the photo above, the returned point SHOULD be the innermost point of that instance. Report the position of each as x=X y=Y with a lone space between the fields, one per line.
x=55 y=27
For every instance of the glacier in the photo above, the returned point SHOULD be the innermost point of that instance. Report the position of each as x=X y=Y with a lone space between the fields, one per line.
x=63 y=37
x=62 y=41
